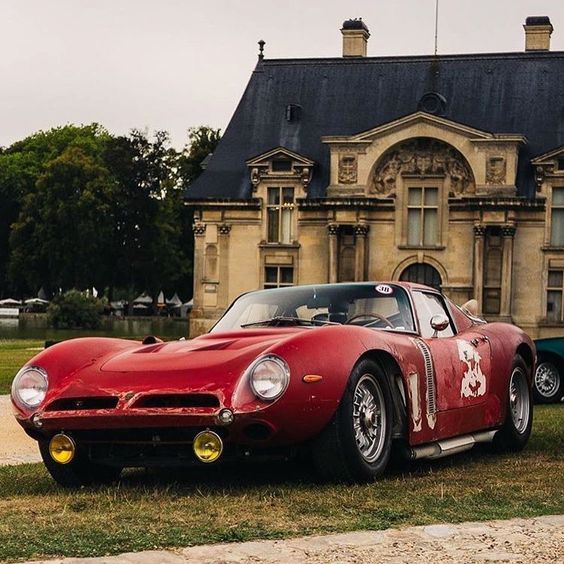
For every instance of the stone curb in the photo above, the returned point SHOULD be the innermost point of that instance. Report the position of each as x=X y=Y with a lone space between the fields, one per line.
x=517 y=541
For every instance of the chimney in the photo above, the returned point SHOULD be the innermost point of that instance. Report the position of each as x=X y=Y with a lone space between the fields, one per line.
x=538 y=30
x=355 y=38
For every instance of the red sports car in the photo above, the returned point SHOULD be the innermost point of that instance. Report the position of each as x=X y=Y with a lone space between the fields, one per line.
x=346 y=372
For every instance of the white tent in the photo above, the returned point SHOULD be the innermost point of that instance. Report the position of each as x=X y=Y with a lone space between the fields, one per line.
x=10 y=302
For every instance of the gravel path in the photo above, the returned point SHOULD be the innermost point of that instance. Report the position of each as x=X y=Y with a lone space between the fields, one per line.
x=516 y=541
x=15 y=446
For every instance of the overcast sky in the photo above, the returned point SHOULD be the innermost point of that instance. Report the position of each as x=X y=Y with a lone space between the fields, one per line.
x=173 y=64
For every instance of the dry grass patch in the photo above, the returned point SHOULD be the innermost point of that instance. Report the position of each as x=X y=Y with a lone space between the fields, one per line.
x=268 y=501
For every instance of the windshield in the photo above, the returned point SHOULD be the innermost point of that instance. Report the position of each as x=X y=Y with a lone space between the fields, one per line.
x=380 y=306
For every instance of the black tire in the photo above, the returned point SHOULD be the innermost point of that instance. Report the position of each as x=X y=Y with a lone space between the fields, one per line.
x=341 y=453
x=548 y=383
x=79 y=472
x=516 y=429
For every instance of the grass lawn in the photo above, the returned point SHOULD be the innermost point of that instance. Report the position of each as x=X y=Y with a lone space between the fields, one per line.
x=14 y=353
x=145 y=511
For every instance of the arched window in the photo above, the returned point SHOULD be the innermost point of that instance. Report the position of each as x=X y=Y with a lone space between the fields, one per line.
x=422 y=273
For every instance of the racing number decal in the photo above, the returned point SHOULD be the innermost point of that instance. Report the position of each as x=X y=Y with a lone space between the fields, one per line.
x=474 y=381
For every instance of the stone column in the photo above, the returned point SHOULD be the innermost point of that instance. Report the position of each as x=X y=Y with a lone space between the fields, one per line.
x=479 y=241
x=333 y=230
x=223 y=243
x=507 y=234
x=360 y=232
x=199 y=246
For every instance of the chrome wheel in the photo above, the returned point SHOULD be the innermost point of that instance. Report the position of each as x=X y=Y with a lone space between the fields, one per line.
x=369 y=417
x=547 y=380
x=519 y=404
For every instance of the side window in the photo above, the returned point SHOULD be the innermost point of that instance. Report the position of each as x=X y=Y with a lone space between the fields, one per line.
x=427 y=305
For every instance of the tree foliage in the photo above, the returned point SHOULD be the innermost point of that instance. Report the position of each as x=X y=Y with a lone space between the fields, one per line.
x=83 y=208
x=75 y=309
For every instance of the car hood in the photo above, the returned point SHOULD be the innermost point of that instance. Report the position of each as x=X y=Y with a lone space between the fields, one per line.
x=202 y=353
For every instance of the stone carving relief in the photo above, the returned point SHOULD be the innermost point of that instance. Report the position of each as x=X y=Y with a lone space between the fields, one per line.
x=422 y=157
x=496 y=170
x=348 y=169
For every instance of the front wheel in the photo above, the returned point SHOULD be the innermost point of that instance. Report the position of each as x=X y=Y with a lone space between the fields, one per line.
x=548 y=385
x=356 y=445
x=78 y=472
x=515 y=432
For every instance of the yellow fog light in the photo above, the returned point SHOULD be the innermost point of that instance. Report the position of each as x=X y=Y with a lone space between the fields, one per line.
x=208 y=446
x=62 y=448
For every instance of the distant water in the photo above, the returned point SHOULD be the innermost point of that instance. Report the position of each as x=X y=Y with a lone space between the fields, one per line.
x=36 y=328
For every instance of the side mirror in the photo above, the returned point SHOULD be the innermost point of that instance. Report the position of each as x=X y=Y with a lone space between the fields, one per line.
x=439 y=322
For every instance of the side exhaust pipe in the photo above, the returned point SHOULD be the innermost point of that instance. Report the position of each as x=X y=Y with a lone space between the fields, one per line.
x=450 y=446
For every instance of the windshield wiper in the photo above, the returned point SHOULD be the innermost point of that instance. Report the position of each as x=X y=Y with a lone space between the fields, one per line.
x=288 y=319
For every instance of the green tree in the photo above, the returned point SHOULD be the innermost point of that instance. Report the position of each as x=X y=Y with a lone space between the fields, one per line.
x=147 y=250
x=75 y=309
x=64 y=226
x=202 y=142
x=21 y=166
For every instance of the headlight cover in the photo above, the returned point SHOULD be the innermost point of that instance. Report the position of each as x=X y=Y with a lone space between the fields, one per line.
x=269 y=377
x=30 y=386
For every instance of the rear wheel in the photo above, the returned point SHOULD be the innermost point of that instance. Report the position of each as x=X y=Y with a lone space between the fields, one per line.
x=80 y=471
x=548 y=384
x=515 y=432
x=356 y=445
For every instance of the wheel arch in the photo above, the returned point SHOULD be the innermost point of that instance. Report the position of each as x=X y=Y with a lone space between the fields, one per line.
x=527 y=354
x=393 y=373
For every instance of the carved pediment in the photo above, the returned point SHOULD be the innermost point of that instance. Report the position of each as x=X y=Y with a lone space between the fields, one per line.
x=264 y=159
x=406 y=122
x=425 y=158
x=280 y=163
x=550 y=162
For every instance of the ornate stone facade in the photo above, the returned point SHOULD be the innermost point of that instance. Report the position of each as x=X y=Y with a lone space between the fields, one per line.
x=422 y=157
x=354 y=192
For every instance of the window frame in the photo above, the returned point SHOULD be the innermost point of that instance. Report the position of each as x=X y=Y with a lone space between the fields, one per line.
x=278 y=284
x=560 y=289
x=553 y=207
x=410 y=182
x=280 y=207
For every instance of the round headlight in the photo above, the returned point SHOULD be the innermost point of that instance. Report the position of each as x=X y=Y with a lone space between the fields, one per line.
x=269 y=377
x=30 y=386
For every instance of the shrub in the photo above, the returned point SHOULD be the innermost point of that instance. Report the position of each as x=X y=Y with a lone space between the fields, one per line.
x=75 y=309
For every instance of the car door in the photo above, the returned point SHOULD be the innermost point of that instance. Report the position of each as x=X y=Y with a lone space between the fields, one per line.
x=461 y=366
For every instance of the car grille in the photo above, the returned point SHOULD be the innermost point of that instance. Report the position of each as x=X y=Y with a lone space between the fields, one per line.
x=176 y=401
x=78 y=404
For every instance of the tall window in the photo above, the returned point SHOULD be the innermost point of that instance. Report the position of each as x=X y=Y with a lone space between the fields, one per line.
x=492 y=273
x=423 y=216
x=278 y=276
x=280 y=211
x=555 y=290
x=557 y=220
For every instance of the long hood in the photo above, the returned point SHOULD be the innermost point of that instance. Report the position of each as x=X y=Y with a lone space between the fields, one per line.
x=204 y=353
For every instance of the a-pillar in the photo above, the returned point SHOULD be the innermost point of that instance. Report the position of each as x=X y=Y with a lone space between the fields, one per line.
x=333 y=230
x=360 y=231
x=223 y=291
x=507 y=235
x=479 y=239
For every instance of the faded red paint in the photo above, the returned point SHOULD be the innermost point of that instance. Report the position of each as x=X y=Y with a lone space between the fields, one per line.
x=214 y=364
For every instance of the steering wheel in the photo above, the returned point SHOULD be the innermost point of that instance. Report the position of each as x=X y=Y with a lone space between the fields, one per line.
x=376 y=316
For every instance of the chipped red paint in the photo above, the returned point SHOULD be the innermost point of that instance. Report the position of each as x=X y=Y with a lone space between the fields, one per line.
x=214 y=365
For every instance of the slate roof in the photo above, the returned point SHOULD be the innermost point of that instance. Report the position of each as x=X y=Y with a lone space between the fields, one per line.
x=500 y=93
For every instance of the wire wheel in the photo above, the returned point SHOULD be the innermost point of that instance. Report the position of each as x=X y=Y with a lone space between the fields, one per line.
x=547 y=380
x=369 y=418
x=519 y=403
